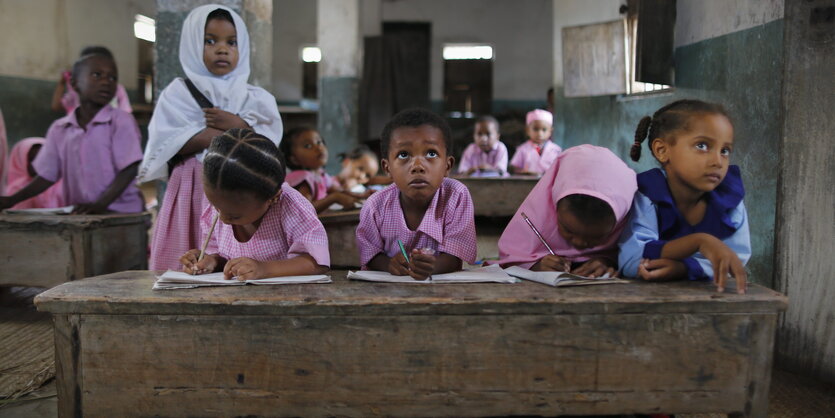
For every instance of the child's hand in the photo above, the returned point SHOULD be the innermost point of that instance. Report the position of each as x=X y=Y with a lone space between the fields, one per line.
x=597 y=267
x=552 y=263
x=661 y=269
x=724 y=261
x=192 y=266
x=422 y=264
x=89 y=208
x=398 y=265
x=223 y=120
x=347 y=200
x=244 y=268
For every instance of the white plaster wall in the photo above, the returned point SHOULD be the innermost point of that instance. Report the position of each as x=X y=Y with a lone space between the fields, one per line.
x=294 y=26
x=698 y=20
x=340 y=38
x=44 y=37
x=574 y=13
x=519 y=31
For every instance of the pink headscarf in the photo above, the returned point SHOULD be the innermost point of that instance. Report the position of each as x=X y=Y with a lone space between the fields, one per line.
x=539 y=114
x=584 y=169
x=4 y=149
x=18 y=178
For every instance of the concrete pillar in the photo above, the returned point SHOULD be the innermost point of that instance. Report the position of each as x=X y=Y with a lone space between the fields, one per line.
x=805 y=200
x=170 y=16
x=340 y=40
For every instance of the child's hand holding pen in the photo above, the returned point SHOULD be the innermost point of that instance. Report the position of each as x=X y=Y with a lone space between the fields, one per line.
x=419 y=265
x=192 y=265
x=552 y=262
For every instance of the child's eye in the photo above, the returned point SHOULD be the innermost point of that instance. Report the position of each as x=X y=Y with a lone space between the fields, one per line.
x=233 y=43
x=701 y=146
x=209 y=41
x=726 y=151
x=402 y=155
x=432 y=154
x=308 y=146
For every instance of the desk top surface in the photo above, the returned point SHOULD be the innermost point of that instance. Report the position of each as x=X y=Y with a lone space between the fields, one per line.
x=130 y=293
x=20 y=219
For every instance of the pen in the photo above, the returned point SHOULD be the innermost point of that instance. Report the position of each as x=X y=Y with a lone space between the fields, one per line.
x=542 y=240
x=403 y=250
x=206 y=241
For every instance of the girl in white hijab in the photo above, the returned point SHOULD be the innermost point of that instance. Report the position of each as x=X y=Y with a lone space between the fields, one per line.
x=214 y=53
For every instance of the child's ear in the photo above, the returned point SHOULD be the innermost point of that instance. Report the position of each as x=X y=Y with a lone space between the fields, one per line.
x=450 y=161
x=660 y=149
x=276 y=197
x=384 y=163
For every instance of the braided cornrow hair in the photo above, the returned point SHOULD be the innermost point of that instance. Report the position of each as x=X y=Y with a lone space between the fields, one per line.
x=667 y=119
x=242 y=160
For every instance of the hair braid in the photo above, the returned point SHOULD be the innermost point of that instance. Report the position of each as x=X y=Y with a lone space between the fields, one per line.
x=669 y=118
x=242 y=160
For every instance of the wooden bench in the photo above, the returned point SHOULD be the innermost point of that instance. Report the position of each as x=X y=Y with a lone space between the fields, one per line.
x=360 y=349
x=47 y=250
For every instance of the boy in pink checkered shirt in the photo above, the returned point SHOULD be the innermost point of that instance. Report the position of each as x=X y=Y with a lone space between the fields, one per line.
x=267 y=229
x=430 y=213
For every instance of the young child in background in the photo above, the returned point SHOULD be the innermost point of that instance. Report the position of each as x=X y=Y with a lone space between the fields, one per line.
x=580 y=207
x=688 y=219
x=267 y=228
x=307 y=155
x=4 y=150
x=95 y=150
x=431 y=214
x=486 y=156
x=358 y=167
x=215 y=97
x=538 y=152
x=21 y=172
x=65 y=99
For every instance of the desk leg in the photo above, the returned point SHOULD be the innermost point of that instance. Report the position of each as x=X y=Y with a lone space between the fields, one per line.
x=759 y=380
x=67 y=349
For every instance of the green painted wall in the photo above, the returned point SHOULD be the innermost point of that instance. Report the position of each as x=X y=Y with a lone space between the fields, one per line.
x=338 y=116
x=26 y=107
x=741 y=70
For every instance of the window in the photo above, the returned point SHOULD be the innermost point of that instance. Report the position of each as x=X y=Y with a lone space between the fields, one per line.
x=468 y=80
x=145 y=28
x=311 y=56
x=649 y=43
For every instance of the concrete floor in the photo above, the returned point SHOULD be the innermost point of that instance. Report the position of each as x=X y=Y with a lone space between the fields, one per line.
x=792 y=395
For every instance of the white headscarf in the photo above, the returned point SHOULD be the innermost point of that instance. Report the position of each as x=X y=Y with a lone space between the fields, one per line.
x=177 y=116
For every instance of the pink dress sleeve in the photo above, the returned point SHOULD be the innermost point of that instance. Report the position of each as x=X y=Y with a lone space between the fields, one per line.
x=305 y=232
x=501 y=160
x=369 y=239
x=466 y=159
x=48 y=162
x=518 y=160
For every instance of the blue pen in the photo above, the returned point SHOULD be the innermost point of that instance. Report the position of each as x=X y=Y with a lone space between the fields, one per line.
x=403 y=250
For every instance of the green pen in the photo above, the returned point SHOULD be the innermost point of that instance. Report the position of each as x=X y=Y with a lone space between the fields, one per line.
x=403 y=251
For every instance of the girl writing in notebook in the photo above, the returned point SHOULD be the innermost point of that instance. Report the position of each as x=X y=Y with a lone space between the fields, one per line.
x=266 y=229
x=688 y=218
x=579 y=207
x=215 y=97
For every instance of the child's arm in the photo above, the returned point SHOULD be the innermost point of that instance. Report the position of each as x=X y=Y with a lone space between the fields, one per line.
x=34 y=188
x=723 y=259
x=119 y=184
x=245 y=268
x=347 y=200
x=420 y=265
x=199 y=141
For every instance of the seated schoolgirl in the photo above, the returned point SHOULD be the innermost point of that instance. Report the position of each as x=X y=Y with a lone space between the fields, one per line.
x=579 y=207
x=688 y=220
x=266 y=228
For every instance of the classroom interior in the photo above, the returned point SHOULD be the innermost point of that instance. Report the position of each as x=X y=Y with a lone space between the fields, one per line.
x=346 y=66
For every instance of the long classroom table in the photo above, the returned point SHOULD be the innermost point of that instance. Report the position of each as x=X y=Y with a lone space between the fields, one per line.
x=360 y=349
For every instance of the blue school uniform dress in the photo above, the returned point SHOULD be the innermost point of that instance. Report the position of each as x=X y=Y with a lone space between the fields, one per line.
x=655 y=220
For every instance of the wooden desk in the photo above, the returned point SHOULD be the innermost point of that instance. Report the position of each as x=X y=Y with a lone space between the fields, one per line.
x=341 y=228
x=498 y=196
x=361 y=349
x=47 y=250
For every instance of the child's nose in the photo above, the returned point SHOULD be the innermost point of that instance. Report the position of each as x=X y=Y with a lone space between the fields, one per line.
x=418 y=165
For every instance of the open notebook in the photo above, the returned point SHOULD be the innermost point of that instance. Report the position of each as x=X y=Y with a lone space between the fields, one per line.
x=560 y=278
x=180 y=280
x=66 y=210
x=489 y=274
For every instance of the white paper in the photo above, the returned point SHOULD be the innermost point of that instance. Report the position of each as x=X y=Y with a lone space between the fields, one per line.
x=489 y=274
x=65 y=210
x=560 y=278
x=181 y=280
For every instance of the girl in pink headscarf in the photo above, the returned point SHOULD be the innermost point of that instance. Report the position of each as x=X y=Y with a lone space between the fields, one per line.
x=20 y=173
x=579 y=206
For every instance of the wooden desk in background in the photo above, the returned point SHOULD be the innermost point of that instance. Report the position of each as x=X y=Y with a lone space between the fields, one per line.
x=47 y=250
x=498 y=196
x=341 y=228
x=360 y=349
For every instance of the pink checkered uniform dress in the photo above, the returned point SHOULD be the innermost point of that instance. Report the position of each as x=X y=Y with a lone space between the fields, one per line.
x=527 y=159
x=447 y=227
x=289 y=229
